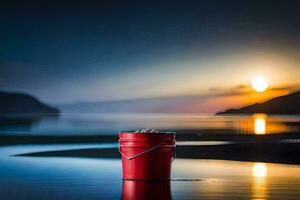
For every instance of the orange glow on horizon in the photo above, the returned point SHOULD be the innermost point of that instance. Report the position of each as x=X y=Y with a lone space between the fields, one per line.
x=240 y=100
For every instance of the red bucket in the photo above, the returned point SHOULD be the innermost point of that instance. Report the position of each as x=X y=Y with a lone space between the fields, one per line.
x=147 y=156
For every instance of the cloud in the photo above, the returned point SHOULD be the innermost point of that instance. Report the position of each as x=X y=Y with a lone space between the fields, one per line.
x=245 y=90
x=281 y=88
x=237 y=90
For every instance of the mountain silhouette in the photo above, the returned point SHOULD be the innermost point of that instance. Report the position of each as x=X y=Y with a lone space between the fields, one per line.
x=283 y=105
x=23 y=104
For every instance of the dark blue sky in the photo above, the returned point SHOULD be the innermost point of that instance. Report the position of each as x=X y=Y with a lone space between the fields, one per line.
x=89 y=50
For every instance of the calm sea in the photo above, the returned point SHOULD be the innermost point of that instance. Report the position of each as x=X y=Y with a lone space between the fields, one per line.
x=111 y=124
x=64 y=178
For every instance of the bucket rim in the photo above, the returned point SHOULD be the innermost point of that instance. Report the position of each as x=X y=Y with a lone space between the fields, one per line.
x=134 y=132
x=131 y=136
x=153 y=140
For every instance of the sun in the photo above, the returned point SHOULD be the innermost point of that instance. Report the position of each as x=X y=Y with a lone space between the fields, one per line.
x=259 y=83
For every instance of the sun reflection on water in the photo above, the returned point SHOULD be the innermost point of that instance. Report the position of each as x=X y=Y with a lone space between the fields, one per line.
x=259 y=183
x=260 y=124
x=259 y=170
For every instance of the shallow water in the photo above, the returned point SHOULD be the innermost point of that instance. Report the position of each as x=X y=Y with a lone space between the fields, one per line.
x=47 y=178
x=82 y=178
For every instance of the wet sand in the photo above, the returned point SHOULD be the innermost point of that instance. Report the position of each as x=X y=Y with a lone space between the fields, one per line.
x=181 y=135
x=279 y=148
x=28 y=139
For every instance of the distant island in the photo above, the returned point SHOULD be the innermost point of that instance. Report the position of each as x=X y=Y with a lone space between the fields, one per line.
x=283 y=105
x=23 y=104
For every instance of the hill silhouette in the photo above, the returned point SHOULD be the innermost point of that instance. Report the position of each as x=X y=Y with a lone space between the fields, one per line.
x=284 y=105
x=23 y=104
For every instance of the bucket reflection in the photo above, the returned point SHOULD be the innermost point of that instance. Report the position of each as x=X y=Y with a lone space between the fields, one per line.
x=134 y=190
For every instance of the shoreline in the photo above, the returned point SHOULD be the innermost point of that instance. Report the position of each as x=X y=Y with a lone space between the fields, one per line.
x=280 y=148
x=287 y=154
x=273 y=148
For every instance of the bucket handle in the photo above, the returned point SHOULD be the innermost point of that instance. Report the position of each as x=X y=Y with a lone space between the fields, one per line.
x=174 y=152
x=147 y=151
